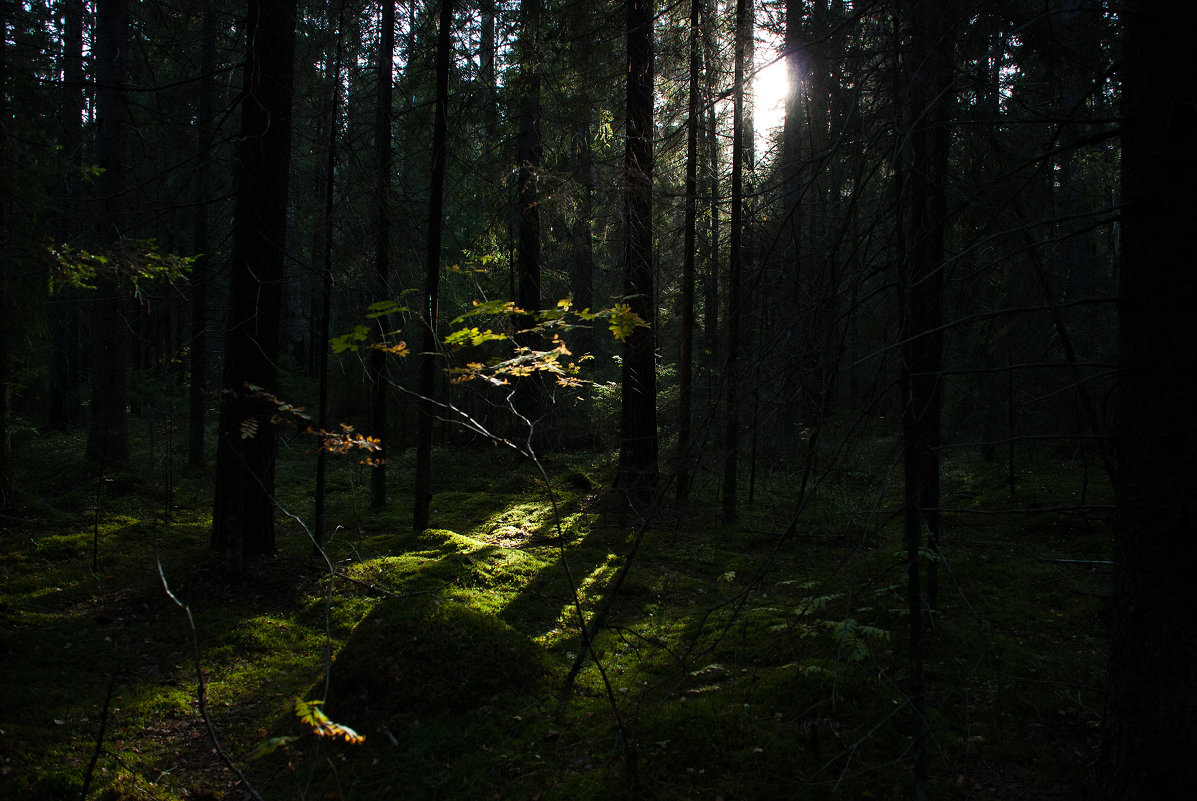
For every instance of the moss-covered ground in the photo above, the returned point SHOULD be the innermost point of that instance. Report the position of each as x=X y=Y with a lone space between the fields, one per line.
x=735 y=662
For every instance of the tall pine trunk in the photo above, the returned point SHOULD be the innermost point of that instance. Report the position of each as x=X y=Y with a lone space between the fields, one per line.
x=382 y=245
x=432 y=274
x=197 y=403
x=64 y=366
x=689 y=256
x=320 y=344
x=243 y=518
x=735 y=313
x=5 y=291
x=638 y=453
x=108 y=433
x=928 y=76
x=1150 y=730
x=528 y=388
x=791 y=228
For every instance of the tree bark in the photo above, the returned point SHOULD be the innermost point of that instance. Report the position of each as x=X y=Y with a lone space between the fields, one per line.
x=791 y=227
x=528 y=157
x=432 y=274
x=320 y=342
x=928 y=75
x=64 y=367
x=1150 y=729
x=689 y=256
x=740 y=132
x=108 y=433
x=638 y=453
x=197 y=403
x=243 y=518
x=382 y=245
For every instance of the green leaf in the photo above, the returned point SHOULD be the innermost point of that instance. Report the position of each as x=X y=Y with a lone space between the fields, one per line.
x=489 y=307
x=472 y=336
x=270 y=746
x=624 y=321
x=382 y=308
x=350 y=341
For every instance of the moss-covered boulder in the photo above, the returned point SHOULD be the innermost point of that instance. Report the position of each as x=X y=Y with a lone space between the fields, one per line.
x=418 y=656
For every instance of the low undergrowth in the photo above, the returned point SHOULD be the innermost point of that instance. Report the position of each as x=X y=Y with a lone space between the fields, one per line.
x=753 y=661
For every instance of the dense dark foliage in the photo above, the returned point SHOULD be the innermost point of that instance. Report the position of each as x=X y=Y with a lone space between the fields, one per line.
x=556 y=228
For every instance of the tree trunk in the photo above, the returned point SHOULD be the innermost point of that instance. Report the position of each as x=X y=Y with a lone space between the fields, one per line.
x=740 y=132
x=432 y=274
x=928 y=78
x=791 y=227
x=197 y=403
x=489 y=97
x=108 y=434
x=686 y=356
x=320 y=343
x=712 y=341
x=243 y=518
x=528 y=388
x=382 y=246
x=638 y=454
x=64 y=366
x=1150 y=731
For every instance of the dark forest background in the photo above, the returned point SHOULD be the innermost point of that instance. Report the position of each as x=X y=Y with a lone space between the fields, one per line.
x=942 y=290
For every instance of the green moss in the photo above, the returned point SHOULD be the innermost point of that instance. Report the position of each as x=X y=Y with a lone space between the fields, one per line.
x=420 y=656
x=741 y=665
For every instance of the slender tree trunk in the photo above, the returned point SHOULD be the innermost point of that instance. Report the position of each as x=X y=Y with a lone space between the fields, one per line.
x=64 y=367
x=432 y=274
x=5 y=290
x=528 y=388
x=581 y=272
x=791 y=225
x=740 y=132
x=320 y=343
x=490 y=106
x=108 y=434
x=581 y=269
x=243 y=518
x=1150 y=731
x=929 y=107
x=928 y=81
x=200 y=268
x=689 y=256
x=382 y=245
x=712 y=339
x=638 y=453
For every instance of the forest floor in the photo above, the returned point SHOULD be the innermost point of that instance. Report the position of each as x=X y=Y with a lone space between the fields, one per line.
x=750 y=661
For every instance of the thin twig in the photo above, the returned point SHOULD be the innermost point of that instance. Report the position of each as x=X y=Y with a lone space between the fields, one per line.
x=201 y=689
x=95 y=754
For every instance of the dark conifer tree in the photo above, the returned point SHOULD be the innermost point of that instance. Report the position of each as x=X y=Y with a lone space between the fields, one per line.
x=382 y=243
x=741 y=133
x=243 y=516
x=1150 y=732
x=108 y=434
x=638 y=453
x=926 y=104
x=432 y=273
x=689 y=258
x=528 y=157
x=200 y=278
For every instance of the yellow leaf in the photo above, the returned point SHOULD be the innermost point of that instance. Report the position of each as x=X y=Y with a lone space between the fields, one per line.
x=310 y=713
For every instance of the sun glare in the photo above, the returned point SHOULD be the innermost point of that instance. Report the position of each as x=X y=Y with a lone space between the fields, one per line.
x=770 y=87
